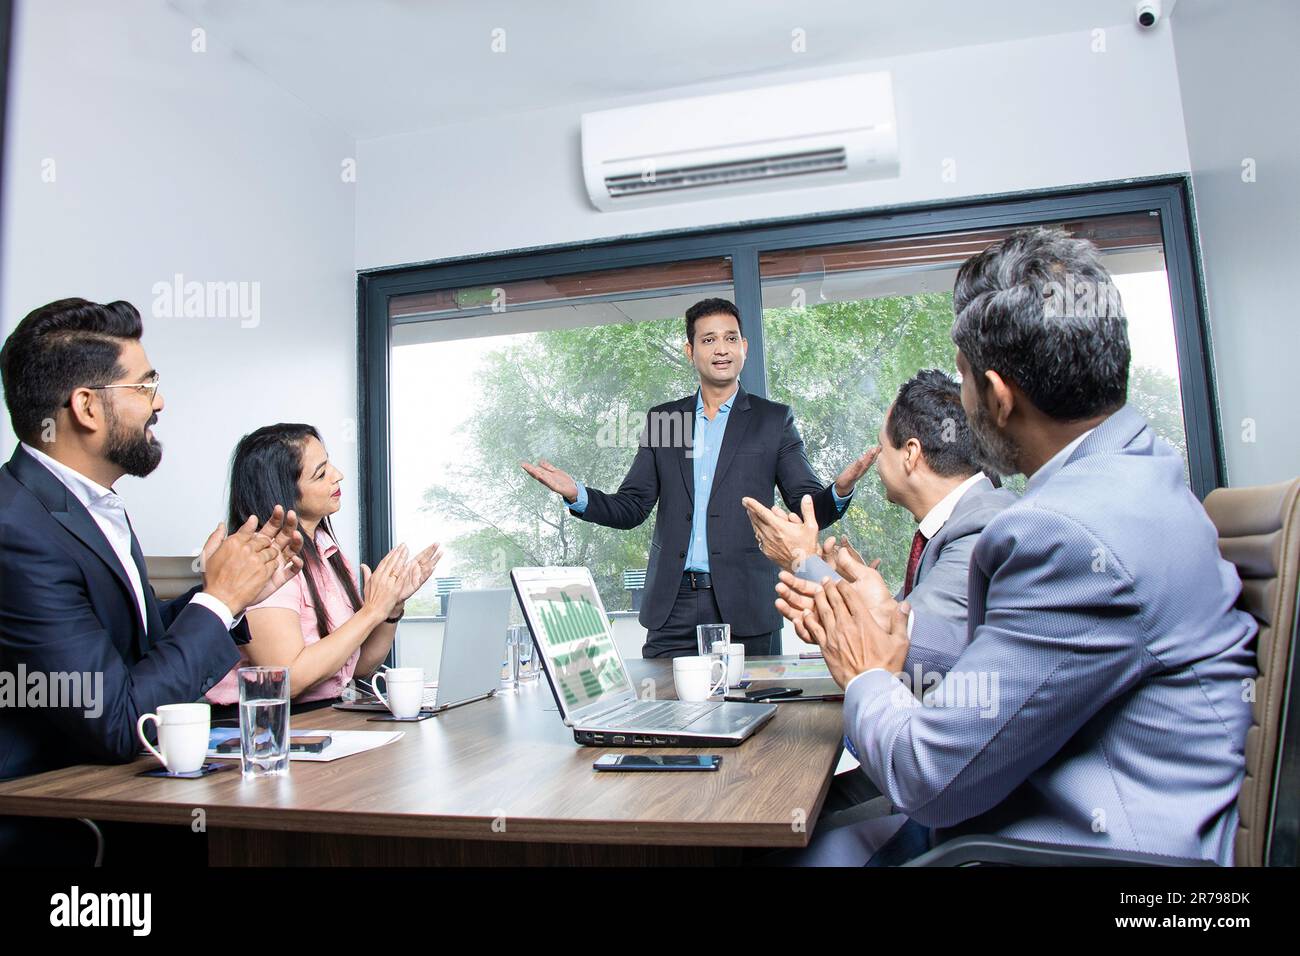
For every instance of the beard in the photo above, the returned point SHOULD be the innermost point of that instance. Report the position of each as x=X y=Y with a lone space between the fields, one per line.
x=136 y=453
x=998 y=450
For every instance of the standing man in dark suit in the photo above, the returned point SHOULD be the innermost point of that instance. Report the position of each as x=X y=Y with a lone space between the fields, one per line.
x=74 y=593
x=697 y=459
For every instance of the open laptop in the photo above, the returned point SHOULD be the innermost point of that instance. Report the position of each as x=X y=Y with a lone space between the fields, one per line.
x=473 y=645
x=591 y=684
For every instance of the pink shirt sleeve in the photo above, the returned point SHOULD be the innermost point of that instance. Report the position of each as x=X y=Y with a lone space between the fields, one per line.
x=290 y=597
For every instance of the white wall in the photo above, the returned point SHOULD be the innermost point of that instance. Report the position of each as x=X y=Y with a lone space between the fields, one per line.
x=1014 y=116
x=170 y=161
x=1240 y=88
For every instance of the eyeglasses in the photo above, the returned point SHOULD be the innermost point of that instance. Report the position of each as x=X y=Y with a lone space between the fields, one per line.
x=149 y=386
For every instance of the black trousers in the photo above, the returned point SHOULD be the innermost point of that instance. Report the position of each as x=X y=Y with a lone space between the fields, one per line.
x=692 y=608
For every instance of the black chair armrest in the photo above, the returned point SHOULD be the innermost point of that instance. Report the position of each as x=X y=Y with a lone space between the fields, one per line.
x=1002 y=851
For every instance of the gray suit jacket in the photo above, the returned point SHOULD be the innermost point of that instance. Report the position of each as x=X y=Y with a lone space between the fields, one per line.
x=1103 y=697
x=938 y=596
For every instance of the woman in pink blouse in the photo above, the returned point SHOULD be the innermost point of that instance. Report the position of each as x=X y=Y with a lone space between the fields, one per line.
x=319 y=624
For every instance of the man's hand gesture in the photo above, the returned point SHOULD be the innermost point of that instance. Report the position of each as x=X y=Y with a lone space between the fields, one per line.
x=553 y=478
x=847 y=479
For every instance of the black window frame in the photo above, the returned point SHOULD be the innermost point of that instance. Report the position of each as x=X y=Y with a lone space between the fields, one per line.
x=743 y=243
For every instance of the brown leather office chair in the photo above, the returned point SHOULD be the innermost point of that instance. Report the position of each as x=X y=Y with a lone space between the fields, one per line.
x=1259 y=532
x=172 y=576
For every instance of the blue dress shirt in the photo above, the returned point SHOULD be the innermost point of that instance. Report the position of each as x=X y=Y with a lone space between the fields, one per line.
x=706 y=444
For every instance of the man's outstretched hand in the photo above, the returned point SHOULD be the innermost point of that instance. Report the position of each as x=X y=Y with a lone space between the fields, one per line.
x=553 y=478
x=847 y=479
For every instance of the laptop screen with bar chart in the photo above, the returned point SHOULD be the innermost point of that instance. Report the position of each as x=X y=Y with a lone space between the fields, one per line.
x=568 y=621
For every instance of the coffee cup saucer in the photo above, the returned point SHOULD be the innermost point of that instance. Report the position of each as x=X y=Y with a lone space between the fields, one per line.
x=212 y=766
x=423 y=715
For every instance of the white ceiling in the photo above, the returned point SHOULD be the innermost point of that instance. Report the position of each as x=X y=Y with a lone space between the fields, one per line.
x=380 y=67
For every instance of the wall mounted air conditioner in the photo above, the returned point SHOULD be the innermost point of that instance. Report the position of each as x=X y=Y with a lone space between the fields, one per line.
x=818 y=132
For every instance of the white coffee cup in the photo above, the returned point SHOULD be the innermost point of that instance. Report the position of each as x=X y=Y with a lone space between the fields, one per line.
x=405 y=690
x=735 y=657
x=182 y=735
x=693 y=677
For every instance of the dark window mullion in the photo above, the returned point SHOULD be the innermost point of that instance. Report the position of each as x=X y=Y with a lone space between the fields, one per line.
x=749 y=299
x=1191 y=338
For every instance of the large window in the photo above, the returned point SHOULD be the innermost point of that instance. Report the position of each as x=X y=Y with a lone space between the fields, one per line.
x=473 y=367
x=562 y=369
x=847 y=324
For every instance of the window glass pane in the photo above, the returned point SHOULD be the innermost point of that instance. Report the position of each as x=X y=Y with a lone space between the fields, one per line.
x=846 y=325
x=562 y=368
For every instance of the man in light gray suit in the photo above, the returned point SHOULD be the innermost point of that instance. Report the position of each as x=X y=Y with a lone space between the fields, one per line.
x=1103 y=697
x=927 y=461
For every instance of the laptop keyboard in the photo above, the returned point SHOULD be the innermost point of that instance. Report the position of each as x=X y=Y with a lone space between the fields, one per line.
x=662 y=715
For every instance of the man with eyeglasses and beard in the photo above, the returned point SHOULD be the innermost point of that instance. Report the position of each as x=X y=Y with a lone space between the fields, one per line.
x=74 y=592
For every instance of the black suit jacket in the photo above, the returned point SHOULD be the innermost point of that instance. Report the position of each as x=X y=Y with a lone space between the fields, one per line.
x=761 y=449
x=66 y=605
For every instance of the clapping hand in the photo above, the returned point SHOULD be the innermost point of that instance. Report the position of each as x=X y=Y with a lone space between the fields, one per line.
x=851 y=637
x=786 y=539
x=247 y=567
x=398 y=576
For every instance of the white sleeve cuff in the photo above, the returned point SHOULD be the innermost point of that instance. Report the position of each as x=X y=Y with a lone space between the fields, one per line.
x=217 y=607
x=873 y=670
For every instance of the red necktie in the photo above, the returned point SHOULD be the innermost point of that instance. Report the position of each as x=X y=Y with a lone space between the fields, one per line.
x=913 y=562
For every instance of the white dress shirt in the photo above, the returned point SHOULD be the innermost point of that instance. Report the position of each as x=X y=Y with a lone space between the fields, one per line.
x=938 y=516
x=940 y=513
x=109 y=513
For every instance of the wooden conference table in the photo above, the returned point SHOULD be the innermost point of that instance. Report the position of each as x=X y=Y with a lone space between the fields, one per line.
x=497 y=782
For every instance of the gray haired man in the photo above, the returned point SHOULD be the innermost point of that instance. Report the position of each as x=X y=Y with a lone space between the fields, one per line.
x=1098 y=601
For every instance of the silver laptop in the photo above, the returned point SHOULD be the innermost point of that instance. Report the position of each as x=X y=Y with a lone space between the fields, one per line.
x=591 y=684
x=473 y=645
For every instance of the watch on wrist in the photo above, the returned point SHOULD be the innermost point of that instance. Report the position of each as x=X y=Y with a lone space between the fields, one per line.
x=394 y=620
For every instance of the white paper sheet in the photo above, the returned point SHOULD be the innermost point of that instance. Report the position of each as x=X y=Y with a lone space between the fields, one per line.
x=343 y=743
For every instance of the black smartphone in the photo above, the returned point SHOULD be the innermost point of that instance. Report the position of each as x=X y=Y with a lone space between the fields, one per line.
x=766 y=693
x=309 y=745
x=297 y=745
x=656 y=762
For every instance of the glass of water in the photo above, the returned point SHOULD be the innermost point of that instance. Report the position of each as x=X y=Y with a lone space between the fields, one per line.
x=510 y=666
x=264 y=721
x=530 y=668
x=706 y=635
